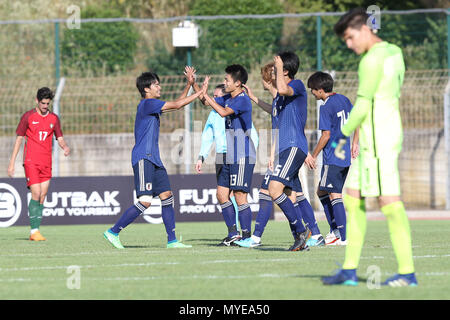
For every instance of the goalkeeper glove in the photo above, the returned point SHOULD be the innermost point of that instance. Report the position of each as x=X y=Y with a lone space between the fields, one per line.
x=338 y=144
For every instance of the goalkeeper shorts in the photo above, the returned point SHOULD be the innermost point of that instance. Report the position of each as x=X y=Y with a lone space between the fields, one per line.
x=375 y=176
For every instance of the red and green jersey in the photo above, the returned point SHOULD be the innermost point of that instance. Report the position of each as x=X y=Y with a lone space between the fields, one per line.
x=38 y=131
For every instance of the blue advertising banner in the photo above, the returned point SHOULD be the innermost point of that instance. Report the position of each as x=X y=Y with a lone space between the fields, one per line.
x=101 y=200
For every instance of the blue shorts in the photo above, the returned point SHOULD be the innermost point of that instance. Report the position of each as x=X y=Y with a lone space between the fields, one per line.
x=287 y=166
x=236 y=176
x=332 y=178
x=296 y=186
x=150 y=179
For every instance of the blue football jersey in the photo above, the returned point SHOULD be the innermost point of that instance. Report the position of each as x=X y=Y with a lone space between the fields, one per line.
x=333 y=115
x=290 y=115
x=146 y=132
x=238 y=127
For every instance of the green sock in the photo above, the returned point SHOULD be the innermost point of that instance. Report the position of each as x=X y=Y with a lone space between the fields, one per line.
x=356 y=230
x=400 y=235
x=34 y=208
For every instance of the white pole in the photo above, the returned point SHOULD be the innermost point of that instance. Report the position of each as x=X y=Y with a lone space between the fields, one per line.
x=447 y=140
x=59 y=90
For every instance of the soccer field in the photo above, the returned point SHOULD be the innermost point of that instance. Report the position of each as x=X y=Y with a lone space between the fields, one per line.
x=147 y=270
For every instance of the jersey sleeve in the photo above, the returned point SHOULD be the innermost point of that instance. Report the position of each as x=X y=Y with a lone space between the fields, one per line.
x=221 y=100
x=152 y=106
x=57 y=129
x=370 y=72
x=241 y=104
x=324 y=118
x=23 y=125
x=298 y=87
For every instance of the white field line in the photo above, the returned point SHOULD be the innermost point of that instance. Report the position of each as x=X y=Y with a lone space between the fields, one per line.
x=192 y=251
x=195 y=277
x=150 y=264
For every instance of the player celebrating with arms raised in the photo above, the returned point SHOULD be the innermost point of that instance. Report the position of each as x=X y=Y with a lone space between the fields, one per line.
x=375 y=173
x=150 y=176
x=38 y=126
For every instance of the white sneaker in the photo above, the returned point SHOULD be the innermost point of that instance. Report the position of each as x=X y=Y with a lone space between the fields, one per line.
x=332 y=237
x=338 y=242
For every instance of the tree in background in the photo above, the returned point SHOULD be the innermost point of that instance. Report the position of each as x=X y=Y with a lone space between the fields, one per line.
x=99 y=48
x=227 y=41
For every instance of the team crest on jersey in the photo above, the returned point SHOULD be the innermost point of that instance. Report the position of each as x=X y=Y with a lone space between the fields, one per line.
x=51 y=125
x=274 y=112
x=148 y=186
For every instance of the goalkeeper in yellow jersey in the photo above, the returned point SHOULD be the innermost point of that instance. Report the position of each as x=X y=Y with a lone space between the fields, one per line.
x=375 y=172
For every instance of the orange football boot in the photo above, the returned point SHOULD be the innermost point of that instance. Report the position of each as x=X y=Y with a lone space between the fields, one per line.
x=37 y=236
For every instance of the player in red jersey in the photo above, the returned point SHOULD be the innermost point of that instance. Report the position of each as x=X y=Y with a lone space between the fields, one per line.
x=38 y=126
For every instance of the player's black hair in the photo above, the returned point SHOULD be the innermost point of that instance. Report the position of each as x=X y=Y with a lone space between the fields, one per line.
x=237 y=72
x=354 y=19
x=321 y=80
x=44 y=93
x=291 y=62
x=145 y=80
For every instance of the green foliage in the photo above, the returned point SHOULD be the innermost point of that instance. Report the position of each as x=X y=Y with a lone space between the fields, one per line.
x=227 y=41
x=99 y=48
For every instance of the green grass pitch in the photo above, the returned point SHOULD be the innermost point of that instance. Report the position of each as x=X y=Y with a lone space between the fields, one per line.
x=147 y=270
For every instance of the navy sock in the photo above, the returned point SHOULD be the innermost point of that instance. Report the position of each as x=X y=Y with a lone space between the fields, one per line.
x=339 y=213
x=263 y=216
x=229 y=215
x=308 y=214
x=328 y=209
x=168 y=216
x=245 y=218
x=299 y=216
x=288 y=209
x=128 y=217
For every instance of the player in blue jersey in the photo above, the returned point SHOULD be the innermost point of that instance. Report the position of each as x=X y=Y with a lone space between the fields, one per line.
x=333 y=115
x=236 y=173
x=265 y=201
x=289 y=108
x=214 y=131
x=150 y=176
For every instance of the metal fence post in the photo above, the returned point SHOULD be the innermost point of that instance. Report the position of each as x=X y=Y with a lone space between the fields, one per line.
x=448 y=40
x=319 y=42
x=57 y=54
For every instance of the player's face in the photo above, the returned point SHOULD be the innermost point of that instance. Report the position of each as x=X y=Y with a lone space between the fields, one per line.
x=230 y=84
x=316 y=94
x=217 y=93
x=43 y=105
x=356 y=39
x=155 y=90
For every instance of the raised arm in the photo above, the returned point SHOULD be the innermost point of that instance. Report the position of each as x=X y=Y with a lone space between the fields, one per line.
x=179 y=103
x=264 y=105
x=282 y=86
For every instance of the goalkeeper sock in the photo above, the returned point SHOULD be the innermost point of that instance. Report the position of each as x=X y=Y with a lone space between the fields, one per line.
x=356 y=230
x=128 y=217
x=400 y=235
x=339 y=214
x=263 y=216
x=168 y=216
x=35 y=212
